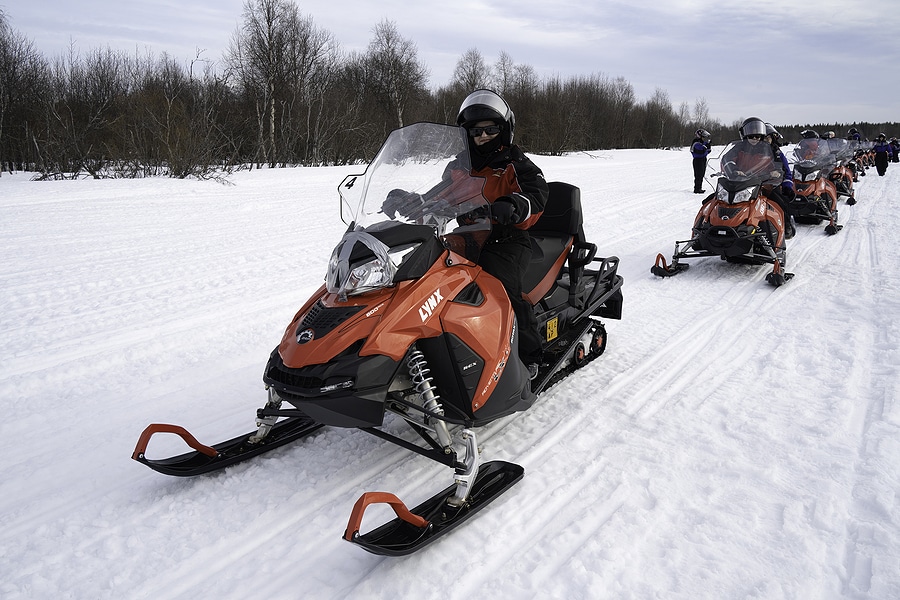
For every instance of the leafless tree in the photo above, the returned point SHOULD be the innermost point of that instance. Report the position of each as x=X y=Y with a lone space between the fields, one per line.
x=471 y=72
x=22 y=81
x=659 y=119
x=284 y=63
x=395 y=74
x=255 y=55
x=701 y=113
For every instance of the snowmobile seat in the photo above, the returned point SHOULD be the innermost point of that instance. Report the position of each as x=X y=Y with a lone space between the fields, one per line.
x=562 y=215
x=552 y=237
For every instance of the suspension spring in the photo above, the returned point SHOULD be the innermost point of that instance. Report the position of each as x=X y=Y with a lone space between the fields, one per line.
x=418 y=372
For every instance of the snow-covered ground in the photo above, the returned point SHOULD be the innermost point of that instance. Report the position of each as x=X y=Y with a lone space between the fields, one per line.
x=735 y=441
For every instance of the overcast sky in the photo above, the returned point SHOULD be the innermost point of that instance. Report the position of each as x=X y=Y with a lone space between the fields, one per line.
x=786 y=61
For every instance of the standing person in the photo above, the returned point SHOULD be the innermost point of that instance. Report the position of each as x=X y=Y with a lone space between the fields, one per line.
x=517 y=191
x=883 y=153
x=853 y=135
x=895 y=148
x=700 y=148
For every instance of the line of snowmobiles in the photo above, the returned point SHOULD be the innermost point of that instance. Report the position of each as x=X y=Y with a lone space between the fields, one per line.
x=738 y=223
x=407 y=325
x=742 y=223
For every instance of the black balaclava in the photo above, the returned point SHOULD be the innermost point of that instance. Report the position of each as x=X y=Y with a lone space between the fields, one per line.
x=481 y=155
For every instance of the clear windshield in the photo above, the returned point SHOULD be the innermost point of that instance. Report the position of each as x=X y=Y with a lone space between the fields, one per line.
x=751 y=161
x=421 y=175
x=842 y=150
x=815 y=153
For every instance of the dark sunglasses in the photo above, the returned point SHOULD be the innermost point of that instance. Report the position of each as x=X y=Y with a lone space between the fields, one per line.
x=490 y=130
x=755 y=136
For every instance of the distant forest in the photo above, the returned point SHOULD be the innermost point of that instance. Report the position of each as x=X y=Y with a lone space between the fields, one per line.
x=285 y=94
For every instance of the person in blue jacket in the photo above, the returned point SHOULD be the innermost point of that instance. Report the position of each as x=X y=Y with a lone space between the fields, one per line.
x=700 y=148
x=895 y=147
x=853 y=135
x=784 y=193
x=883 y=153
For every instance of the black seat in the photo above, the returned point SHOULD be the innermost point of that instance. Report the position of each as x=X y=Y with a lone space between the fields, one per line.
x=562 y=215
x=552 y=237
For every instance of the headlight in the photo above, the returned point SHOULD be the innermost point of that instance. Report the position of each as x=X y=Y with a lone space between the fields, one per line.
x=811 y=176
x=370 y=276
x=375 y=273
x=722 y=194
x=743 y=195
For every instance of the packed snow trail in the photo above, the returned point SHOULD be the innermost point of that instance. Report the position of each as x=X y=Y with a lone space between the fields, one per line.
x=734 y=441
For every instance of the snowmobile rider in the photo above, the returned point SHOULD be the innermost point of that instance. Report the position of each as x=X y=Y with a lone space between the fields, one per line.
x=808 y=146
x=785 y=193
x=895 y=147
x=517 y=191
x=755 y=131
x=700 y=148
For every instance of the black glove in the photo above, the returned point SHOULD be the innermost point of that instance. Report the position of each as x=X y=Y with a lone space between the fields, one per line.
x=788 y=191
x=504 y=211
x=400 y=201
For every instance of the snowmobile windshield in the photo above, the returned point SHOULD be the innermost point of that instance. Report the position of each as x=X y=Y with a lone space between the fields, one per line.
x=751 y=162
x=421 y=175
x=814 y=154
x=841 y=149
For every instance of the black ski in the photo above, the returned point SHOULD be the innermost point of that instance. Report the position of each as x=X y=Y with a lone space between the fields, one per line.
x=413 y=529
x=212 y=458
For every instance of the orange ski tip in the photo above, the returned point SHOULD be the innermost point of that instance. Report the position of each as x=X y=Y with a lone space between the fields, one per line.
x=181 y=432
x=379 y=498
x=661 y=262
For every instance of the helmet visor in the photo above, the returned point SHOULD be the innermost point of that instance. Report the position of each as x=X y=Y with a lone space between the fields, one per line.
x=486 y=99
x=755 y=128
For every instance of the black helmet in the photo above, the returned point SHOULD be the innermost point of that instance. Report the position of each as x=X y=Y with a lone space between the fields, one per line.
x=752 y=126
x=881 y=137
x=853 y=130
x=485 y=105
x=809 y=134
x=702 y=134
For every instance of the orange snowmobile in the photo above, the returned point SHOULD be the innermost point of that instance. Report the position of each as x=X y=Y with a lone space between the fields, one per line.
x=408 y=324
x=738 y=223
x=816 y=196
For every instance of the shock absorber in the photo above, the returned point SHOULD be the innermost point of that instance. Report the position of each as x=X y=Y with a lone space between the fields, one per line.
x=265 y=424
x=418 y=372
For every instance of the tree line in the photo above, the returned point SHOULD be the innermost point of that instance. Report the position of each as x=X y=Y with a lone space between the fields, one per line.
x=286 y=94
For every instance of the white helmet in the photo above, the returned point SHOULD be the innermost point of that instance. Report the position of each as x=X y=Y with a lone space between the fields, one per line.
x=486 y=105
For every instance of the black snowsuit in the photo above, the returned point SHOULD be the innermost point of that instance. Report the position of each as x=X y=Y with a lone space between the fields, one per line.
x=510 y=175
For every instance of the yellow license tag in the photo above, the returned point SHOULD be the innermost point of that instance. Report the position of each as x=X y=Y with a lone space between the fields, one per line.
x=552 y=329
